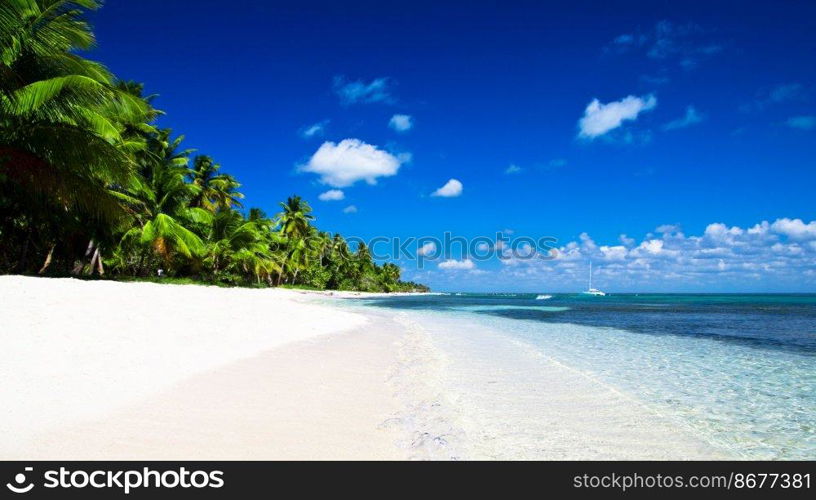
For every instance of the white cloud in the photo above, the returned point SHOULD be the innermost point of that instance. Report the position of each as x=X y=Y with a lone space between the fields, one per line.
x=401 y=123
x=781 y=254
x=691 y=117
x=351 y=209
x=802 y=122
x=314 y=130
x=795 y=229
x=331 y=195
x=483 y=247
x=351 y=92
x=512 y=169
x=600 y=118
x=343 y=164
x=651 y=246
x=427 y=249
x=616 y=252
x=452 y=264
x=668 y=228
x=451 y=189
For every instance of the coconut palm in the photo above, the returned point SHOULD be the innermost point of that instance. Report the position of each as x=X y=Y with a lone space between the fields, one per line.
x=214 y=190
x=158 y=199
x=296 y=218
x=61 y=116
x=61 y=124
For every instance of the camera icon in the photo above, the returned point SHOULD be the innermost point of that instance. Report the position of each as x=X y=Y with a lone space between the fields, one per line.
x=20 y=480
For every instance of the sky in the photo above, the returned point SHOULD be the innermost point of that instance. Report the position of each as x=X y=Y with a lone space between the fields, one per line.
x=670 y=143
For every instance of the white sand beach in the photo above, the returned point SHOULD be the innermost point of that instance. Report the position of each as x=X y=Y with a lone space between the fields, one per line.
x=97 y=369
x=109 y=370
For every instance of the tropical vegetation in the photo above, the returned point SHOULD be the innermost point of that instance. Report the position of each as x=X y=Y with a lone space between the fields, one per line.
x=90 y=185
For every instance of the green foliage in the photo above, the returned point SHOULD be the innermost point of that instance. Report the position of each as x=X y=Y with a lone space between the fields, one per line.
x=89 y=186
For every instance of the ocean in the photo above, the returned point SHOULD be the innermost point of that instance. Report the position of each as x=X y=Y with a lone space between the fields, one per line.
x=722 y=376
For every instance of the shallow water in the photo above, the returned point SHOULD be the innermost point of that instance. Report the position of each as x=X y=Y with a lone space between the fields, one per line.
x=735 y=372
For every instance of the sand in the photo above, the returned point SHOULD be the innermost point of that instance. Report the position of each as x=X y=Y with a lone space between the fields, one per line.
x=95 y=369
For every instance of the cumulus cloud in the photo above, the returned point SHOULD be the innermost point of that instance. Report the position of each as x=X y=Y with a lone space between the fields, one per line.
x=802 y=122
x=351 y=209
x=332 y=195
x=512 y=169
x=314 y=130
x=427 y=249
x=795 y=229
x=451 y=189
x=358 y=91
x=401 y=123
x=350 y=161
x=600 y=118
x=782 y=253
x=457 y=265
x=691 y=117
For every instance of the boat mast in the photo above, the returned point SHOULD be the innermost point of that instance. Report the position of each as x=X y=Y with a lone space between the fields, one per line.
x=590 y=275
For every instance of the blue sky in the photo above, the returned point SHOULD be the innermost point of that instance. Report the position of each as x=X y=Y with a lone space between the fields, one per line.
x=583 y=121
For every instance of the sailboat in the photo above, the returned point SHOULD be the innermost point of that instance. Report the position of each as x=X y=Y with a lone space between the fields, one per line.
x=590 y=290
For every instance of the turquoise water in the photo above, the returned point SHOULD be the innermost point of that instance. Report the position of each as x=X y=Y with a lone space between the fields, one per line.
x=738 y=371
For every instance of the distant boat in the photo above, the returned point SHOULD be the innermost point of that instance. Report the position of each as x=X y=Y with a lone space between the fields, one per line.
x=543 y=297
x=590 y=290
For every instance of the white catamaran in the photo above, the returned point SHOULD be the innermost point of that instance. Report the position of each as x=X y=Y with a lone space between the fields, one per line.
x=590 y=290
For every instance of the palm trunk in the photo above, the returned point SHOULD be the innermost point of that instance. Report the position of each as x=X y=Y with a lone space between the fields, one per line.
x=96 y=262
x=94 y=258
x=47 y=259
x=80 y=265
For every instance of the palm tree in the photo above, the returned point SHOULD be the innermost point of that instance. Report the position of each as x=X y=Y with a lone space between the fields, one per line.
x=295 y=226
x=158 y=200
x=389 y=276
x=214 y=191
x=238 y=245
x=61 y=117
x=296 y=218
